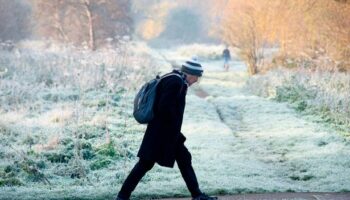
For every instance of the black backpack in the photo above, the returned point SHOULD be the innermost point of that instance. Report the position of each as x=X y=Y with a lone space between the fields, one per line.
x=145 y=98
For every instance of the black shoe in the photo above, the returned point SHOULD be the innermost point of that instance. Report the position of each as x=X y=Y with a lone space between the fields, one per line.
x=203 y=196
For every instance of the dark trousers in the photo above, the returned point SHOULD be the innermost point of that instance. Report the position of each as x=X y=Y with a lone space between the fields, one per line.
x=183 y=160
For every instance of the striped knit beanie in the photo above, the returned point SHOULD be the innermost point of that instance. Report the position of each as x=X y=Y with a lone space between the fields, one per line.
x=192 y=67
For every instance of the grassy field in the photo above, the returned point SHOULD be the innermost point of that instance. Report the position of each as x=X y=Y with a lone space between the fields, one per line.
x=66 y=118
x=67 y=130
x=316 y=93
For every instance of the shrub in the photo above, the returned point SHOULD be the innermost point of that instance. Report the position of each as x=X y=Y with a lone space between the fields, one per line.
x=100 y=163
x=107 y=150
x=10 y=182
x=87 y=150
x=55 y=157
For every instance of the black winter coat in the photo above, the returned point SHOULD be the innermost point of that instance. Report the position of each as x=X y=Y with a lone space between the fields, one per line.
x=163 y=133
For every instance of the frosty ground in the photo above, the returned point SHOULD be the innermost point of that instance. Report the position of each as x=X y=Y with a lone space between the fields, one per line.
x=245 y=144
x=240 y=143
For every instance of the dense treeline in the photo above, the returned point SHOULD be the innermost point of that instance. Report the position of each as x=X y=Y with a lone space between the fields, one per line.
x=302 y=30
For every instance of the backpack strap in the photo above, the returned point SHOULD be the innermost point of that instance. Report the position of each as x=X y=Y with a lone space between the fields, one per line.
x=176 y=74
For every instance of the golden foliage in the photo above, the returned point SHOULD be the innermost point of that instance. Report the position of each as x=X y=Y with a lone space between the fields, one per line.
x=150 y=29
x=297 y=27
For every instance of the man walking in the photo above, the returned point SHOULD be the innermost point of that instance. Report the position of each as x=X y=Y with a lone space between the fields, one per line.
x=163 y=142
x=227 y=57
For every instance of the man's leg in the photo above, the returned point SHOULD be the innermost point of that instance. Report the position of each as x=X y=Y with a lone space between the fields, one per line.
x=134 y=178
x=184 y=162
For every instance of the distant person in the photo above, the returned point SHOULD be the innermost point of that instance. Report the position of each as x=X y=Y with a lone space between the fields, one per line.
x=163 y=143
x=227 y=57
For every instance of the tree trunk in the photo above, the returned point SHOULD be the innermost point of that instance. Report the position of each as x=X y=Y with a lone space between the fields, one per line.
x=252 y=69
x=252 y=61
x=88 y=11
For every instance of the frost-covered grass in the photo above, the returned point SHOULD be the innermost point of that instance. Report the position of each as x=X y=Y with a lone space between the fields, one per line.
x=246 y=144
x=82 y=138
x=66 y=120
x=322 y=93
x=271 y=143
x=203 y=51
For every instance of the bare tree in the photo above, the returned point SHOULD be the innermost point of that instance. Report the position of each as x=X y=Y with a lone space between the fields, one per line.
x=79 y=21
x=245 y=27
x=88 y=11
